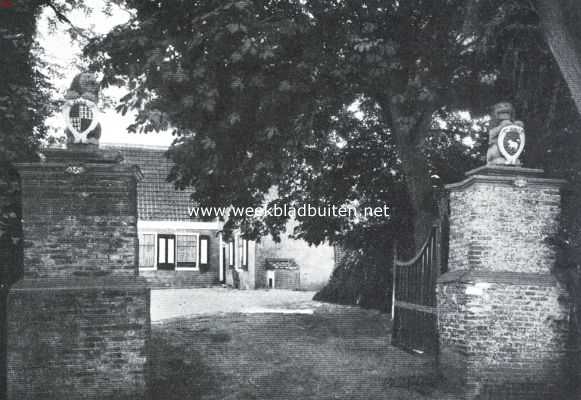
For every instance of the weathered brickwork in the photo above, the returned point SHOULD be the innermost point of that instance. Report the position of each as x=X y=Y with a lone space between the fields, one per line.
x=79 y=222
x=78 y=323
x=79 y=246
x=503 y=319
x=488 y=221
x=498 y=334
x=77 y=342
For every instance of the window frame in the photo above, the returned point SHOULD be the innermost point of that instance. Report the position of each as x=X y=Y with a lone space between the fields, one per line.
x=201 y=239
x=166 y=237
x=166 y=233
x=197 y=256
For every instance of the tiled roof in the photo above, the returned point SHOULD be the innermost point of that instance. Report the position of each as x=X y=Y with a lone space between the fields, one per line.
x=281 y=263
x=157 y=199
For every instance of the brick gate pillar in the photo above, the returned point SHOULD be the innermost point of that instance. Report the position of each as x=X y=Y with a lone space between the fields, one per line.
x=503 y=318
x=78 y=321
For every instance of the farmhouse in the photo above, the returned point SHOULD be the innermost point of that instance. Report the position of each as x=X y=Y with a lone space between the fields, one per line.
x=176 y=250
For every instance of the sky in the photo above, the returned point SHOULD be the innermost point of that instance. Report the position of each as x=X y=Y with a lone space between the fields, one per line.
x=65 y=53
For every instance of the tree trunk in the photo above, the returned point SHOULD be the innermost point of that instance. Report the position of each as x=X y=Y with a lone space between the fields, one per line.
x=419 y=186
x=414 y=165
x=558 y=21
x=420 y=191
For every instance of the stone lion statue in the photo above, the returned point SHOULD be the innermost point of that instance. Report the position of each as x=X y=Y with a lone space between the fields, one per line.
x=502 y=115
x=80 y=110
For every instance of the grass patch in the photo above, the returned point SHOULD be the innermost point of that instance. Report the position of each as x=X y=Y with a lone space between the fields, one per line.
x=336 y=353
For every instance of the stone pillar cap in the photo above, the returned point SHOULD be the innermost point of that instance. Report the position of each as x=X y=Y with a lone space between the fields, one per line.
x=81 y=156
x=83 y=153
x=508 y=175
x=505 y=170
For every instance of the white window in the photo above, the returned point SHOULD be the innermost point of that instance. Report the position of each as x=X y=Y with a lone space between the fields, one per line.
x=204 y=247
x=187 y=251
x=170 y=252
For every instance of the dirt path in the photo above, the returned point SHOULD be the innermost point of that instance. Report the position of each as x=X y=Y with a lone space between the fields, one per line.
x=175 y=303
x=335 y=352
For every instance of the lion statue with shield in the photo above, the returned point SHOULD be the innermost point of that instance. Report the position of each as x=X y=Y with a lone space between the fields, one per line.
x=506 y=137
x=80 y=110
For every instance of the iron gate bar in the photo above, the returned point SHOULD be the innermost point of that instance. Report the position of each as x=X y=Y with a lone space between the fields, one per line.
x=414 y=311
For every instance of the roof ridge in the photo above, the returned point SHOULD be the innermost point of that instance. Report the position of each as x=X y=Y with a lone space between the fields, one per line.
x=134 y=146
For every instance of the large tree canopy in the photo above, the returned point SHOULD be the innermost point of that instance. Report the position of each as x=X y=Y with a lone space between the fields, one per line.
x=262 y=92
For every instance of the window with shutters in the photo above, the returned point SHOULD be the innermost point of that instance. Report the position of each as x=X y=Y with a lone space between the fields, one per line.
x=183 y=251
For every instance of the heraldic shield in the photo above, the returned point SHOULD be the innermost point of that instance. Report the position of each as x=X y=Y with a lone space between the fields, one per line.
x=511 y=143
x=80 y=116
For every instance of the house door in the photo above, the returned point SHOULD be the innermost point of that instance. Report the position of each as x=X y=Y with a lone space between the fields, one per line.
x=166 y=252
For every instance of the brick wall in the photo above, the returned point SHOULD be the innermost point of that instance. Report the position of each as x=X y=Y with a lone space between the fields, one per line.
x=78 y=342
x=80 y=224
x=503 y=319
x=487 y=222
x=78 y=323
x=495 y=335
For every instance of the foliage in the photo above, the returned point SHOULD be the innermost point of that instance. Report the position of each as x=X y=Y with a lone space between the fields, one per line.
x=24 y=103
x=262 y=94
x=362 y=277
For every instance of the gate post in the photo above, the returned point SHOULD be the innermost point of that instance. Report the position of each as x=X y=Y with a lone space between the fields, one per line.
x=503 y=317
x=78 y=322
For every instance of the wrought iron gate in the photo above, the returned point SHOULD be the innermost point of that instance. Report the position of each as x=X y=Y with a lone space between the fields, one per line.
x=415 y=321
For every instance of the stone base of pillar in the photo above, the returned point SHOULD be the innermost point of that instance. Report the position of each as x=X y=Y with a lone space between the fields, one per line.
x=78 y=339
x=504 y=335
